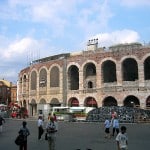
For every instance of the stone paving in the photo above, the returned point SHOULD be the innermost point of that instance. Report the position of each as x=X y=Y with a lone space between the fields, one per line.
x=75 y=135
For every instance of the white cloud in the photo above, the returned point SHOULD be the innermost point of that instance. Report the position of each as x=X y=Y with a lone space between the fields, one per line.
x=20 y=47
x=135 y=3
x=117 y=37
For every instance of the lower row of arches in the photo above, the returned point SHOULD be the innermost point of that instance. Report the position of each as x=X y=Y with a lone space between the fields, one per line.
x=129 y=101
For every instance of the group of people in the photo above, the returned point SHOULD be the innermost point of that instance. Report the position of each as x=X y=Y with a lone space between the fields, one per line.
x=51 y=129
x=121 y=137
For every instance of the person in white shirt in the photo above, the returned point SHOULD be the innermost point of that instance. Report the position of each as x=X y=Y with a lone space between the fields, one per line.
x=122 y=139
x=40 y=127
x=107 y=126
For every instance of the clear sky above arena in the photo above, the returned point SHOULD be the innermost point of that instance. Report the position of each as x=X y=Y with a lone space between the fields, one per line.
x=39 y=28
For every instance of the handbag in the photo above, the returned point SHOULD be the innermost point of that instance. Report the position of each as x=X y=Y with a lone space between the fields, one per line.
x=19 y=140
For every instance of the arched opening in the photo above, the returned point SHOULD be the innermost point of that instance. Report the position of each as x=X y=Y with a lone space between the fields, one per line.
x=109 y=71
x=33 y=80
x=73 y=102
x=55 y=102
x=90 y=102
x=43 y=78
x=146 y=69
x=89 y=75
x=33 y=107
x=130 y=70
x=148 y=102
x=73 y=78
x=110 y=101
x=131 y=101
x=90 y=84
x=54 y=77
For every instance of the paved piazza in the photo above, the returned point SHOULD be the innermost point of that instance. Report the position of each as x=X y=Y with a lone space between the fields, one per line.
x=73 y=135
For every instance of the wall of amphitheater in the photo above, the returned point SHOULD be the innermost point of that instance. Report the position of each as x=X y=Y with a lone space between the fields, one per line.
x=119 y=76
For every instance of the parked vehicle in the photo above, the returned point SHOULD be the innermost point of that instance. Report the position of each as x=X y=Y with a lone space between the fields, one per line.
x=21 y=113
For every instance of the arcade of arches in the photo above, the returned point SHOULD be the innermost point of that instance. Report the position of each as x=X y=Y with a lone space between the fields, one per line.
x=85 y=80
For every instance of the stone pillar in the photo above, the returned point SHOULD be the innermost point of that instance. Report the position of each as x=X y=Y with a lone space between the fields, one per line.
x=119 y=74
x=141 y=74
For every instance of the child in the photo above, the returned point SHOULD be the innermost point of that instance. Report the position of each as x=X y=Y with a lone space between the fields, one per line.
x=107 y=126
x=122 y=139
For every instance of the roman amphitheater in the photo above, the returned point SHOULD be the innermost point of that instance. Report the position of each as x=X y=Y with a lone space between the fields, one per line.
x=95 y=77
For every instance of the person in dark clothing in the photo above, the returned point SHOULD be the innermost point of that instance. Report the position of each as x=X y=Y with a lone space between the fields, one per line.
x=2 y=120
x=24 y=133
x=40 y=128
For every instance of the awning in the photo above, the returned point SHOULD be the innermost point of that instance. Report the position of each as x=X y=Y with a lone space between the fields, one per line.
x=92 y=102
x=75 y=103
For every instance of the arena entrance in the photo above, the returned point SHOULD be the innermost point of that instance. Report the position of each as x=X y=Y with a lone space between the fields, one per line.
x=110 y=101
x=33 y=107
x=131 y=101
x=90 y=102
x=73 y=101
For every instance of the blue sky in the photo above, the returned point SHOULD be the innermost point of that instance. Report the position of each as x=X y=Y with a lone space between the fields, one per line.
x=39 y=28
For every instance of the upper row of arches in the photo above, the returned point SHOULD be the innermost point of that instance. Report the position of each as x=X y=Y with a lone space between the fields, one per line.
x=129 y=72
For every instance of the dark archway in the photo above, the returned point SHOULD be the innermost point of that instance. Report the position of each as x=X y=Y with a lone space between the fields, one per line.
x=110 y=101
x=73 y=101
x=148 y=102
x=109 y=71
x=146 y=69
x=55 y=102
x=73 y=77
x=90 y=102
x=43 y=78
x=130 y=70
x=131 y=101
x=33 y=107
x=89 y=75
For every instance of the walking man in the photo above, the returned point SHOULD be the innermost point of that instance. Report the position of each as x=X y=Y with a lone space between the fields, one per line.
x=40 y=128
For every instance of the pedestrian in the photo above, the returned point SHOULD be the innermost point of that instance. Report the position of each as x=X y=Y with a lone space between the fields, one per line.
x=40 y=127
x=49 y=116
x=24 y=133
x=115 y=124
x=122 y=139
x=51 y=130
x=107 y=127
x=2 y=120
x=54 y=116
x=113 y=115
x=55 y=120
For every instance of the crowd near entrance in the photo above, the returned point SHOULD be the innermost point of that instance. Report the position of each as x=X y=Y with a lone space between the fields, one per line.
x=124 y=114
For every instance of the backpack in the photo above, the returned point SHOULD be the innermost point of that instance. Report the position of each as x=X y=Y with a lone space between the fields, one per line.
x=24 y=132
x=51 y=128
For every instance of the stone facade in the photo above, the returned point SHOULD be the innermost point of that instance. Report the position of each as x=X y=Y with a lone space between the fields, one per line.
x=118 y=76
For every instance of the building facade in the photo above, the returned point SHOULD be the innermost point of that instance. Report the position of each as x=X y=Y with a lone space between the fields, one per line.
x=117 y=76
x=8 y=92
